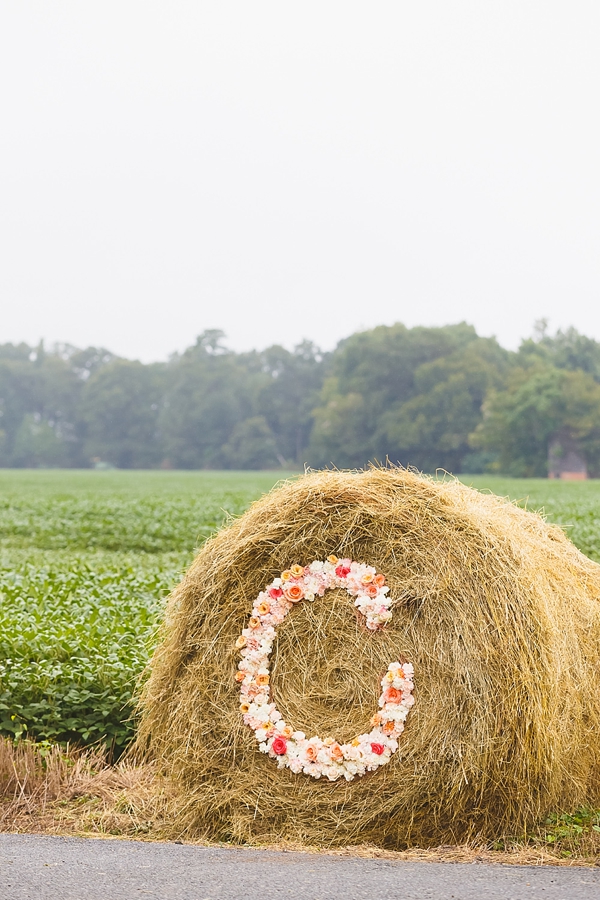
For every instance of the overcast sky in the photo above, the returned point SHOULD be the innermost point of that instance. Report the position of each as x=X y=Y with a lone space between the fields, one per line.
x=287 y=170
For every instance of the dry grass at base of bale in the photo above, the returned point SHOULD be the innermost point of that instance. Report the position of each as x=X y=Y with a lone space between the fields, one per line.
x=50 y=789
x=497 y=610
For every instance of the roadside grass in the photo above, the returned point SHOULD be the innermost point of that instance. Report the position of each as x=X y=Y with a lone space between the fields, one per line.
x=49 y=789
x=87 y=560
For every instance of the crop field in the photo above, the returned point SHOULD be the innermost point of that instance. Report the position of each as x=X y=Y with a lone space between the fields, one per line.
x=87 y=559
x=86 y=562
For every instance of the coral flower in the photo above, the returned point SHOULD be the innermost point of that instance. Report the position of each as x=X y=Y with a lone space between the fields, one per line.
x=297 y=571
x=241 y=642
x=376 y=720
x=336 y=752
x=239 y=676
x=311 y=753
x=275 y=593
x=279 y=746
x=377 y=748
x=294 y=593
x=263 y=608
x=388 y=727
x=371 y=590
x=380 y=580
x=392 y=695
x=262 y=680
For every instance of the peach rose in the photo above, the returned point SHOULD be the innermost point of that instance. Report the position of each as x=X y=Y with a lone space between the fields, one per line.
x=254 y=622
x=371 y=590
x=376 y=720
x=388 y=727
x=380 y=580
x=262 y=680
x=244 y=708
x=263 y=608
x=367 y=578
x=311 y=753
x=297 y=571
x=392 y=695
x=336 y=752
x=293 y=592
x=239 y=676
x=333 y=559
x=285 y=576
x=241 y=642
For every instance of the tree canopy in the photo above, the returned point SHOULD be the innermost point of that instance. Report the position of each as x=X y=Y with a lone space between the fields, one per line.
x=425 y=397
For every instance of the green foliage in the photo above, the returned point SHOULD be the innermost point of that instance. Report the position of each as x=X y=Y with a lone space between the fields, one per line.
x=432 y=398
x=539 y=403
x=561 y=827
x=252 y=445
x=120 y=405
x=410 y=395
x=86 y=561
x=566 y=835
x=72 y=642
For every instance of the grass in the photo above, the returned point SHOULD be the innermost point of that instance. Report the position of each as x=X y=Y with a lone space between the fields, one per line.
x=87 y=559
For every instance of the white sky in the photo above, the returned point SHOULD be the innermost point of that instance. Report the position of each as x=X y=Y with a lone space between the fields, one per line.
x=286 y=170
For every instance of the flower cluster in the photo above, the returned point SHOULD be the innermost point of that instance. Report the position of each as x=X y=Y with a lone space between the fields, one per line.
x=293 y=749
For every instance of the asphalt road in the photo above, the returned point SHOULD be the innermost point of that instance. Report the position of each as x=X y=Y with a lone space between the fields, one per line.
x=54 y=868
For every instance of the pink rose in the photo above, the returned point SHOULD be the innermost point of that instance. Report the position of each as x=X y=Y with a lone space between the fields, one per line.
x=275 y=592
x=377 y=748
x=342 y=571
x=279 y=746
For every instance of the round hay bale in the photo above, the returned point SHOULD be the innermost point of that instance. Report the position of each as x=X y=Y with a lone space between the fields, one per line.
x=498 y=612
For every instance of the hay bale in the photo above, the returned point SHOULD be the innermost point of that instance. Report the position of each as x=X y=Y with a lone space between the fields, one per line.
x=498 y=612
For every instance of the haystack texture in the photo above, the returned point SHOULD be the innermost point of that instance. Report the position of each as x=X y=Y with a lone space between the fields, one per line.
x=498 y=612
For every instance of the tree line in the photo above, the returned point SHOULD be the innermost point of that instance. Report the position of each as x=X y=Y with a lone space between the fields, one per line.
x=425 y=397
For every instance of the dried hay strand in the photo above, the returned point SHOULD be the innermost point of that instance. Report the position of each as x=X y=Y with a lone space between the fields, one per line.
x=69 y=790
x=496 y=609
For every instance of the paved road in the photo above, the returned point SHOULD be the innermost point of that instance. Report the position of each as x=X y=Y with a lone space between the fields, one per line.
x=54 y=868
